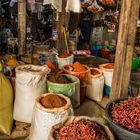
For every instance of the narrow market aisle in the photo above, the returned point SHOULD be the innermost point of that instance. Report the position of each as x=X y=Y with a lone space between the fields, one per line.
x=89 y=108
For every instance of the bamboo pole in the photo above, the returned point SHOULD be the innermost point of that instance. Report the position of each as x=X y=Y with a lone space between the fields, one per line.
x=21 y=26
x=124 y=52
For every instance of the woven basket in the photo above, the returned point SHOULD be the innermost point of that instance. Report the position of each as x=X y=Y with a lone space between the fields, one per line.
x=30 y=59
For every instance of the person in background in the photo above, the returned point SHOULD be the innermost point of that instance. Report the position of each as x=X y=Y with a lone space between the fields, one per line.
x=6 y=33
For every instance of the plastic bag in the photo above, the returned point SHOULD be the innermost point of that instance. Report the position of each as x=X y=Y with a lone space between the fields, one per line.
x=57 y=4
x=6 y=105
x=73 y=5
x=30 y=83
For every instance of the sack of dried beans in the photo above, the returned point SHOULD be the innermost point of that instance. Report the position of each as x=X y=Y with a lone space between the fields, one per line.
x=49 y=110
x=80 y=128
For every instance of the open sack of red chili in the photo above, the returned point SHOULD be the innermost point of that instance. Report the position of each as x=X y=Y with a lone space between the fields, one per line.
x=126 y=113
x=80 y=128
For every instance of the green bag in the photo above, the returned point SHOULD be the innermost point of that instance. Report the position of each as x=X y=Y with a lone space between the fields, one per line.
x=6 y=104
x=71 y=90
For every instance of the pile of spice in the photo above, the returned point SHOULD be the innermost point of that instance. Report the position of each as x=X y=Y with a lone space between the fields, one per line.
x=52 y=66
x=63 y=55
x=109 y=66
x=76 y=67
x=53 y=101
x=83 y=129
x=127 y=114
x=59 y=78
x=94 y=72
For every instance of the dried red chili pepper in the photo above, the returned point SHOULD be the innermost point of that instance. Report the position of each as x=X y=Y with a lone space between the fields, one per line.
x=81 y=130
x=127 y=114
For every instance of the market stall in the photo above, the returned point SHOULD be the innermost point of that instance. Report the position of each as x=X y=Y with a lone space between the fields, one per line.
x=70 y=71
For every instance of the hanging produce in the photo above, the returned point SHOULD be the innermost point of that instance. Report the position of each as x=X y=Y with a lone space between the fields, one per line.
x=86 y=3
x=95 y=8
x=107 y=2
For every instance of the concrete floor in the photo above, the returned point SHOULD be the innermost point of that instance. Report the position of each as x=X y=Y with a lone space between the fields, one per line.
x=89 y=108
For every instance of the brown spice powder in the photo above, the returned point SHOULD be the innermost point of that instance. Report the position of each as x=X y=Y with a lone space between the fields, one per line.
x=53 y=101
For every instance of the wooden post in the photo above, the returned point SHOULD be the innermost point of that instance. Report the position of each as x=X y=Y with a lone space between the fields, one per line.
x=124 y=52
x=60 y=44
x=21 y=26
x=34 y=24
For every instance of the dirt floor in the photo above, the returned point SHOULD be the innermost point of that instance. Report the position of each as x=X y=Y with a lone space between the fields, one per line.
x=87 y=108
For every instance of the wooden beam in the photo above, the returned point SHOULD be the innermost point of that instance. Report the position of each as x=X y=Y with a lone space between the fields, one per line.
x=21 y=26
x=130 y=46
x=60 y=43
x=124 y=52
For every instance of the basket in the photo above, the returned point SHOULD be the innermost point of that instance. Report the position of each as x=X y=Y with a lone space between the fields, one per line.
x=30 y=59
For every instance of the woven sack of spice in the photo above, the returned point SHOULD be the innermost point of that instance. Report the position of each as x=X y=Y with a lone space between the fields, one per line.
x=64 y=59
x=79 y=70
x=107 y=70
x=57 y=84
x=75 y=128
x=48 y=111
x=30 y=83
x=95 y=88
x=83 y=73
x=6 y=104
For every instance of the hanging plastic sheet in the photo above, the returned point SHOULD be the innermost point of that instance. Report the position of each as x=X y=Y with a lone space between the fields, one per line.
x=32 y=5
x=0 y=8
x=57 y=4
x=73 y=5
x=12 y=2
